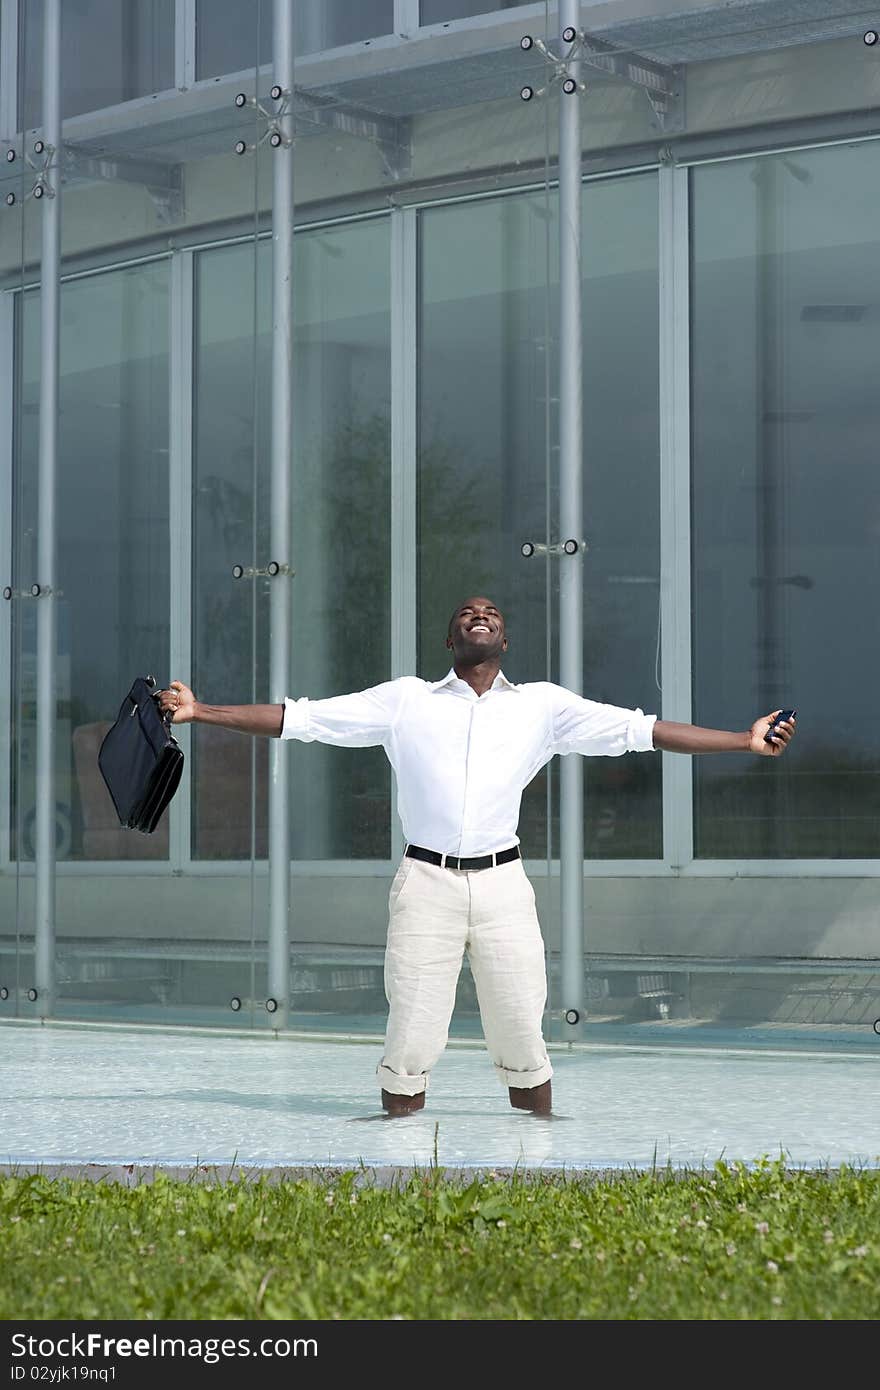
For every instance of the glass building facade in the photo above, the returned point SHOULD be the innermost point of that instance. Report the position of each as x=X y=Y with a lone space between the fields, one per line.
x=389 y=328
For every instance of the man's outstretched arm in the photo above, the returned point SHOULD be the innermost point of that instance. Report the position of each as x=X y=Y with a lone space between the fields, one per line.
x=246 y=719
x=690 y=738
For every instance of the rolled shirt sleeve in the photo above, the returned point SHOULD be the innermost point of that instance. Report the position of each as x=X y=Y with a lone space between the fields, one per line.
x=360 y=720
x=591 y=728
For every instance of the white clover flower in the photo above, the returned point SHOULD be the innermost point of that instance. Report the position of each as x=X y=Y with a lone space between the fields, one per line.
x=387 y=1239
x=181 y=1232
x=701 y=1226
x=640 y=1247
x=860 y=1252
x=730 y=1248
x=576 y=1244
x=773 y=1267
x=761 y=1227
x=828 y=1237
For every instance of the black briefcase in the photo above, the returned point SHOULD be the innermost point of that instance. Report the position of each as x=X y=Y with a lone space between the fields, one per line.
x=140 y=759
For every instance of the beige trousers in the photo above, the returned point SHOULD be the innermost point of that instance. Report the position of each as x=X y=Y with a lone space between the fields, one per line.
x=435 y=915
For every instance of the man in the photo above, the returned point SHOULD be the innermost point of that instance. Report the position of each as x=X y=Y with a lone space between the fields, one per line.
x=463 y=749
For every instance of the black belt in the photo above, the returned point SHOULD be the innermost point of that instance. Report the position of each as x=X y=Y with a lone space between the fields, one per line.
x=449 y=861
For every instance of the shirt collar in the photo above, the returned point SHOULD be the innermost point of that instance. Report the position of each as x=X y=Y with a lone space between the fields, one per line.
x=451 y=679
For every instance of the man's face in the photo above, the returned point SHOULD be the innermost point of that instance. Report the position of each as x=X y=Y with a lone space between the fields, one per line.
x=476 y=632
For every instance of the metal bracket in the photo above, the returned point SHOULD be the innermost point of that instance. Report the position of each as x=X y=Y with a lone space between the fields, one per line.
x=35 y=591
x=41 y=166
x=569 y=547
x=237 y=1003
x=559 y=69
x=272 y=569
x=163 y=182
x=663 y=85
x=273 y=135
x=390 y=135
x=77 y=163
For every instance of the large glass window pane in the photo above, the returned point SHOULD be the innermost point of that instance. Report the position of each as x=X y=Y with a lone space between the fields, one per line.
x=341 y=532
x=786 y=415
x=234 y=36
x=485 y=487
x=112 y=52
x=112 y=527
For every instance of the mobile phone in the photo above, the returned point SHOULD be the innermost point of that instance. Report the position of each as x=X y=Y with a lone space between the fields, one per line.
x=781 y=718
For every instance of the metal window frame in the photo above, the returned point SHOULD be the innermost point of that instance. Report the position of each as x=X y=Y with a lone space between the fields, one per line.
x=9 y=24
x=406 y=18
x=184 y=44
x=673 y=194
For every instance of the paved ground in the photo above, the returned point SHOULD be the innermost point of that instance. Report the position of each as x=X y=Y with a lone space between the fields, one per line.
x=81 y=1097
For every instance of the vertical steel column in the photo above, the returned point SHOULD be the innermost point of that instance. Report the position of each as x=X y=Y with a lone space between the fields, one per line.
x=50 y=288
x=675 y=504
x=404 y=461
x=571 y=520
x=280 y=605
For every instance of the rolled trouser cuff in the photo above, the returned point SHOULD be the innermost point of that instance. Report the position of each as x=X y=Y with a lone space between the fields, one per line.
x=525 y=1080
x=398 y=1085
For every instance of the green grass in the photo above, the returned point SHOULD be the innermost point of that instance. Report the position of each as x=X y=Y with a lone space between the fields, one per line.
x=733 y=1241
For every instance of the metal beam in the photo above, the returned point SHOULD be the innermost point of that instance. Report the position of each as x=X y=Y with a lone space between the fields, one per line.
x=47 y=611
x=571 y=521
x=280 y=601
x=180 y=500
x=7 y=406
x=675 y=505
x=404 y=435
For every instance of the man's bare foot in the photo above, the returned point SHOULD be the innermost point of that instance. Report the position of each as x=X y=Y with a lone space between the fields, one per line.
x=538 y=1099
x=402 y=1105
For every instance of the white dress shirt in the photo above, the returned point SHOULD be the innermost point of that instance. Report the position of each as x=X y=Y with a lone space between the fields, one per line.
x=462 y=760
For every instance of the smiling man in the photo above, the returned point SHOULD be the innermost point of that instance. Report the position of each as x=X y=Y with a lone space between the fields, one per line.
x=463 y=749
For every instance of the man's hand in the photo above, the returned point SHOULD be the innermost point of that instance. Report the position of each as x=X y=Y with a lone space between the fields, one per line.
x=782 y=736
x=178 y=701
